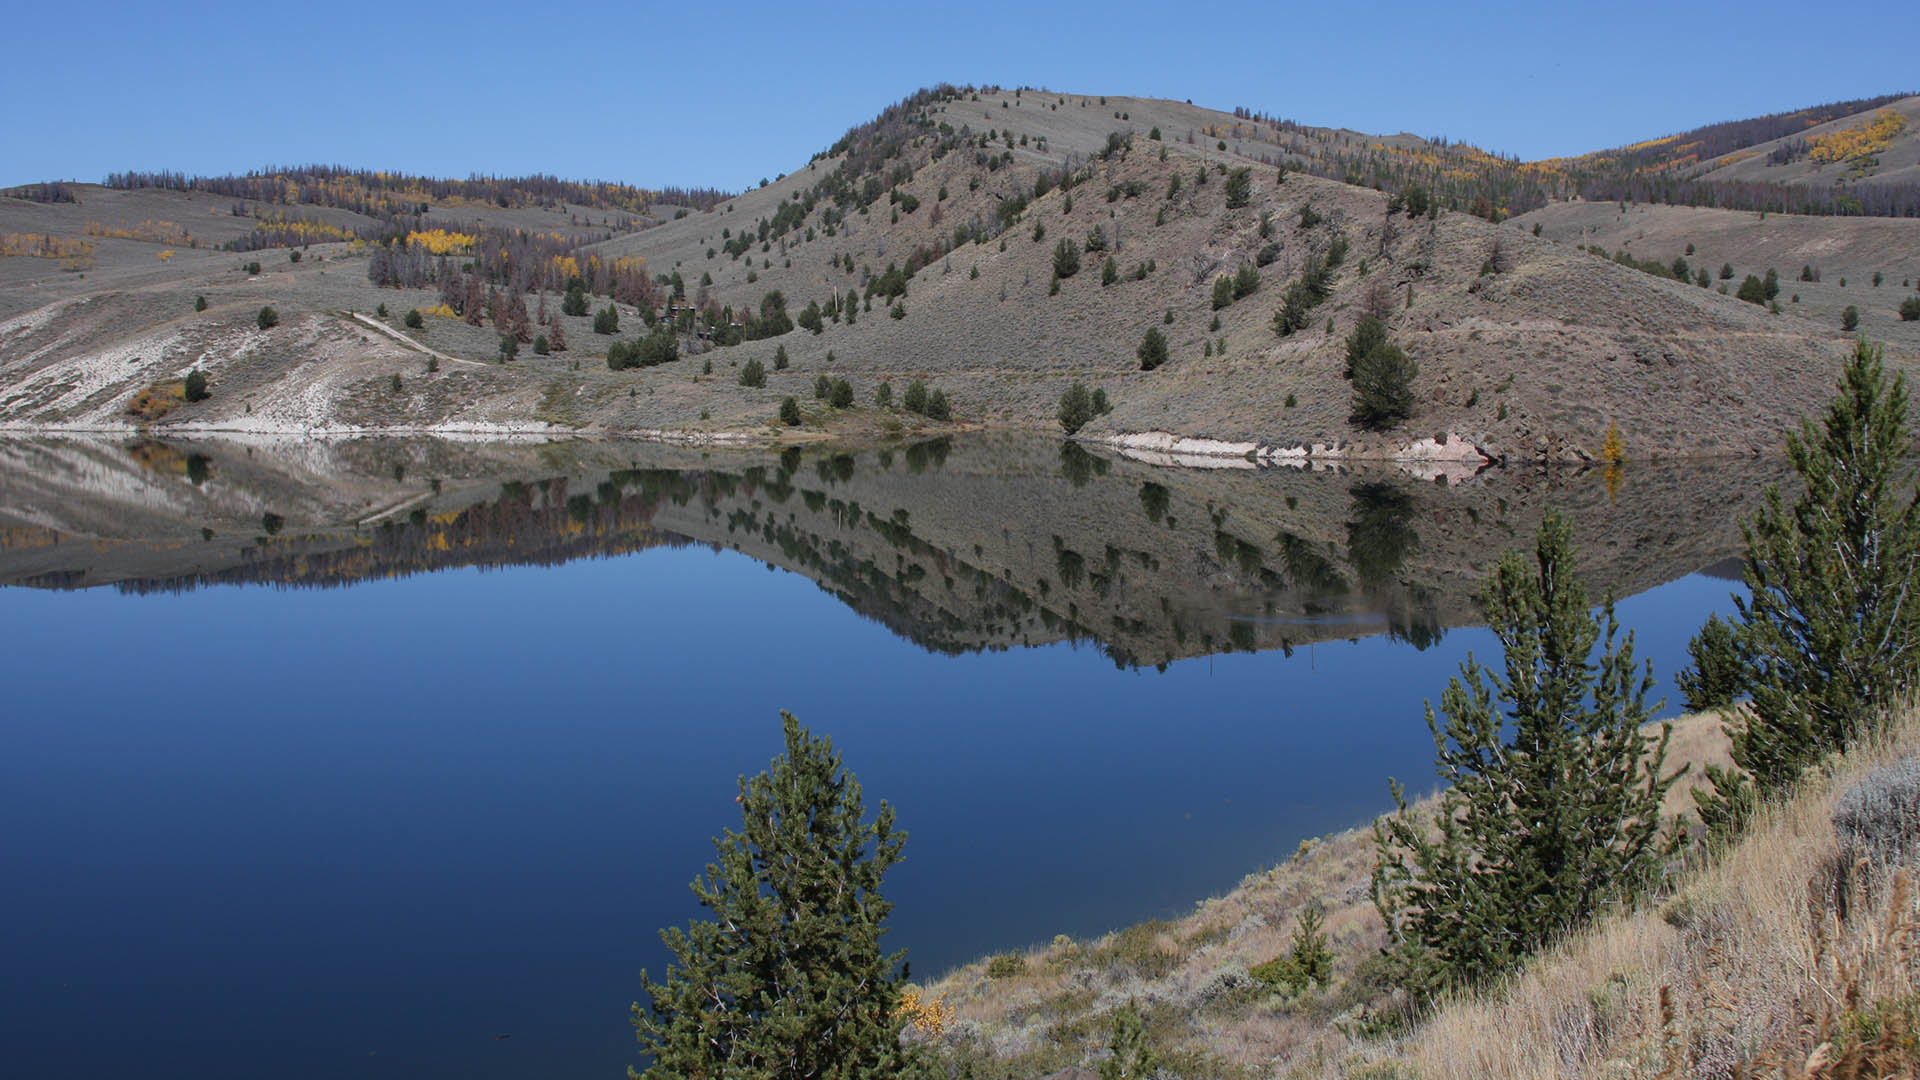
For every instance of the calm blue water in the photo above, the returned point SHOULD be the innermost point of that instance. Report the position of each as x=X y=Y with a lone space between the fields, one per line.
x=366 y=831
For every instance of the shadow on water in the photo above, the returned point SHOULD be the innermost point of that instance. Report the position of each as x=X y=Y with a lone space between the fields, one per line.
x=956 y=544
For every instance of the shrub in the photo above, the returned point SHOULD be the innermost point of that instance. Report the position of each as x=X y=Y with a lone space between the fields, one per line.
x=780 y=358
x=541 y=346
x=789 y=412
x=606 y=320
x=938 y=408
x=753 y=373
x=1222 y=291
x=1878 y=818
x=1076 y=408
x=915 y=399
x=1153 y=349
x=1850 y=318
x=196 y=388
x=1726 y=271
x=1006 y=966
x=509 y=348
x=883 y=395
x=841 y=394
x=413 y=319
x=1101 y=406
x=293 y=256
x=822 y=387
x=267 y=319
x=199 y=303
x=1910 y=309
x=1109 y=272
x=1752 y=290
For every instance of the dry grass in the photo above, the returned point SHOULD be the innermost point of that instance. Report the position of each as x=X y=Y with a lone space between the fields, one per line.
x=1784 y=958
x=1189 y=975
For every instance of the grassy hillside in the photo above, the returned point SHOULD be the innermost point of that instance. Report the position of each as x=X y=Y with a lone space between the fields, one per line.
x=1786 y=956
x=1527 y=348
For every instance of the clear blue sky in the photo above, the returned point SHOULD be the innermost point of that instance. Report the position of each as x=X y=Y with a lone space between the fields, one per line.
x=721 y=96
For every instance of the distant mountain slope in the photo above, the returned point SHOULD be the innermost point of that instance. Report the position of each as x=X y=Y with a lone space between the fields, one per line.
x=949 y=220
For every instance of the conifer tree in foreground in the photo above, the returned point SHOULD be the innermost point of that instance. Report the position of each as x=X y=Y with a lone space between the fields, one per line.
x=1552 y=802
x=1828 y=635
x=787 y=978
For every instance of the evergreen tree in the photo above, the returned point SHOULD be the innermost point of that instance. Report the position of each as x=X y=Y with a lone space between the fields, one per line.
x=789 y=412
x=787 y=978
x=1153 y=349
x=1827 y=635
x=938 y=407
x=1715 y=677
x=780 y=358
x=1076 y=408
x=1383 y=386
x=1066 y=259
x=196 y=388
x=606 y=320
x=915 y=399
x=1222 y=291
x=1537 y=832
x=753 y=373
x=1368 y=334
x=1239 y=187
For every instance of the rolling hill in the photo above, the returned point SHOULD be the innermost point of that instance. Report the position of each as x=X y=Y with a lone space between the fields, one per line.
x=949 y=218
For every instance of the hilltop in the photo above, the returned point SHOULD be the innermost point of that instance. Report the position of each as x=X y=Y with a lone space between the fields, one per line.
x=944 y=217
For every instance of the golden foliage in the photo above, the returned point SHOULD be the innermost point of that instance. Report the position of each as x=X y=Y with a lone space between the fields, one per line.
x=289 y=231
x=1614 y=450
x=441 y=310
x=1864 y=138
x=42 y=246
x=163 y=256
x=149 y=231
x=929 y=1016
x=442 y=242
x=159 y=399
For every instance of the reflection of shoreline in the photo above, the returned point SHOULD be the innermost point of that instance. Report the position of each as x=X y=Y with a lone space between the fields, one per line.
x=956 y=544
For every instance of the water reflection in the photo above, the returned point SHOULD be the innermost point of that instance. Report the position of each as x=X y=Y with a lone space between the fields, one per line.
x=978 y=543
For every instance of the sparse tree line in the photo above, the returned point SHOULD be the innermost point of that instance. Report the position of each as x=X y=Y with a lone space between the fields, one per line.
x=378 y=194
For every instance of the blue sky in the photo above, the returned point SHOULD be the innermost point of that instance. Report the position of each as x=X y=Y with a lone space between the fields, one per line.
x=658 y=95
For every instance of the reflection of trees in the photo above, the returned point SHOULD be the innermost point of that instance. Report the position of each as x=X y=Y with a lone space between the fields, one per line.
x=1078 y=466
x=1380 y=533
x=1308 y=567
x=1154 y=500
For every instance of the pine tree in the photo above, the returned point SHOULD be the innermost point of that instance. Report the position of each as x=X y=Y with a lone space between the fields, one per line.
x=787 y=978
x=753 y=373
x=1537 y=832
x=1715 y=677
x=1076 y=408
x=1828 y=633
x=1383 y=386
